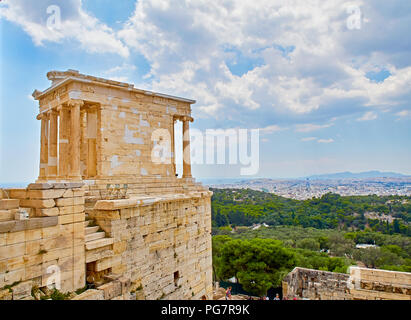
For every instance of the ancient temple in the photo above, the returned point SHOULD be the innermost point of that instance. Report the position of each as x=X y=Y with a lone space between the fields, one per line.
x=106 y=209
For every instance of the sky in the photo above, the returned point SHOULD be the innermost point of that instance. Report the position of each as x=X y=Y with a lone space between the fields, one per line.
x=327 y=83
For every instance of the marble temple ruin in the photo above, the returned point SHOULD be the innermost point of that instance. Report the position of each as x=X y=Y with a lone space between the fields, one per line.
x=103 y=210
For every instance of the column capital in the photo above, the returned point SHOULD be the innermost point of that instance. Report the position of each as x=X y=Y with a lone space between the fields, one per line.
x=183 y=118
x=42 y=116
x=75 y=103
x=51 y=112
x=61 y=107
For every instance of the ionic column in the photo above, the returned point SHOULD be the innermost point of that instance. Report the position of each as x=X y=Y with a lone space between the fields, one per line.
x=64 y=134
x=186 y=149
x=52 y=147
x=43 y=145
x=75 y=139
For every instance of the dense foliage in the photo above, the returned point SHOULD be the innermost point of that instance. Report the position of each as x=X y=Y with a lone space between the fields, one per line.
x=244 y=207
x=320 y=233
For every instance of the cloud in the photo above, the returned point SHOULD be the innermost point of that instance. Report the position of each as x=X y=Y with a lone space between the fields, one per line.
x=325 y=140
x=309 y=127
x=271 y=129
x=250 y=63
x=368 y=116
x=306 y=64
x=51 y=21
x=403 y=114
x=308 y=139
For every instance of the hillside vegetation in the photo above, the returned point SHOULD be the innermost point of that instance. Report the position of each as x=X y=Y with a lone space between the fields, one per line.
x=320 y=234
x=244 y=207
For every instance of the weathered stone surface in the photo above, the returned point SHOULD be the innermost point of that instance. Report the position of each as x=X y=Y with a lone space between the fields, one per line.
x=22 y=290
x=360 y=284
x=39 y=186
x=111 y=289
x=91 y=294
x=7 y=204
x=62 y=202
x=37 y=203
x=45 y=194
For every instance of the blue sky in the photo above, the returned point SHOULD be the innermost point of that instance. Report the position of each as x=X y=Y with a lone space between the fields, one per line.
x=325 y=97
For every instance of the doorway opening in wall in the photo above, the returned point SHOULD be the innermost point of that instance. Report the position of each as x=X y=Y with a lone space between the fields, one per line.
x=178 y=148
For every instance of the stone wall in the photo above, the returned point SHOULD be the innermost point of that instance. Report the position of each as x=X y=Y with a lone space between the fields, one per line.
x=359 y=284
x=155 y=247
x=162 y=244
x=50 y=240
x=316 y=285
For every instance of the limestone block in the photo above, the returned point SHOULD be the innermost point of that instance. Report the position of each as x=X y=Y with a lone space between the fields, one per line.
x=71 y=209
x=106 y=263
x=14 y=276
x=11 y=251
x=99 y=253
x=111 y=289
x=99 y=243
x=39 y=186
x=91 y=294
x=125 y=285
x=71 y=218
x=33 y=271
x=119 y=247
x=33 y=234
x=17 y=193
x=7 y=204
x=49 y=212
x=7 y=215
x=71 y=193
x=45 y=194
x=63 y=202
x=37 y=203
x=15 y=237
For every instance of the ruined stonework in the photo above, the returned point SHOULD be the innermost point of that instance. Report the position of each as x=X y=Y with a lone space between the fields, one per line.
x=106 y=209
x=359 y=284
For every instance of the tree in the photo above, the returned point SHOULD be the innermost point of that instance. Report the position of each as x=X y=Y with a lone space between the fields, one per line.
x=368 y=256
x=340 y=246
x=309 y=244
x=258 y=264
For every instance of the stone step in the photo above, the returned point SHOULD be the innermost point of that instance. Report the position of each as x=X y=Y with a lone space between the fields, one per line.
x=86 y=223
x=95 y=236
x=99 y=243
x=90 y=230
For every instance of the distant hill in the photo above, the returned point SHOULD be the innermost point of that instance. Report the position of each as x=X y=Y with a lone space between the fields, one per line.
x=359 y=175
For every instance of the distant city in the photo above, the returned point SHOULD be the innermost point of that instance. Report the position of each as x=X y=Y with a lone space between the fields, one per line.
x=345 y=184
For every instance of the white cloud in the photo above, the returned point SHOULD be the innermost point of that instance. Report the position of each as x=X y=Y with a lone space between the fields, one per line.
x=325 y=140
x=191 y=45
x=308 y=139
x=35 y=19
x=309 y=127
x=271 y=129
x=250 y=62
x=403 y=114
x=368 y=116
